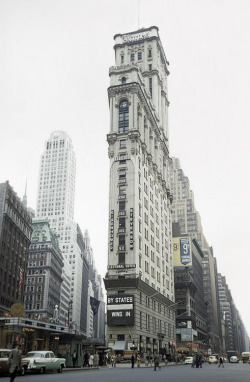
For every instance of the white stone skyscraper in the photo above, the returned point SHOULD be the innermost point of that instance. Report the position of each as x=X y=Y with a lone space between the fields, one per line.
x=56 y=196
x=139 y=280
x=56 y=189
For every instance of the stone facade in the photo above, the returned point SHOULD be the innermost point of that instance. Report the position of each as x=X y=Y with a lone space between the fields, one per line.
x=140 y=250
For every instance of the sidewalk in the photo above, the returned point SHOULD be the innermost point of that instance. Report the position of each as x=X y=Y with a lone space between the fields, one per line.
x=121 y=365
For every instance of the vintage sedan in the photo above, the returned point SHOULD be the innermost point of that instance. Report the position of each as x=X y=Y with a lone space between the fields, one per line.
x=43 y=361
x=4 y=364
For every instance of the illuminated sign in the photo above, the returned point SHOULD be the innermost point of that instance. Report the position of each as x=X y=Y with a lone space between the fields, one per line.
x=131 y=229
x=120 y=310
x=111 y=238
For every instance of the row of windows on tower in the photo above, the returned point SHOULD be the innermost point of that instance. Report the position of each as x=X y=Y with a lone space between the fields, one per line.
x=139 y=56
x=55 y=144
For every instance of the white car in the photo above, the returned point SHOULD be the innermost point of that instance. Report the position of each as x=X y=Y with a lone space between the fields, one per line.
x=234 y=359
x=43 y=361
x=212 y=359
x=189 y=360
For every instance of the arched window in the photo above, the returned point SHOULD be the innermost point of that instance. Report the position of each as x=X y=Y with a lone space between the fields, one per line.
x=123 y=116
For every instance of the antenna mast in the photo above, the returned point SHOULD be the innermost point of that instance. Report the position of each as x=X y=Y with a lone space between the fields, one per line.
x=138 y=14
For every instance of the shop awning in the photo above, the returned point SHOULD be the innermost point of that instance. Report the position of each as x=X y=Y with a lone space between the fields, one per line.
x=119 y=345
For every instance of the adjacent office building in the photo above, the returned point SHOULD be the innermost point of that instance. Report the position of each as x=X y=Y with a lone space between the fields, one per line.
x=15 y=236
x=191 y=325
x=56 y=197
x=139 y=279
x=185 y=213
x=44 y=273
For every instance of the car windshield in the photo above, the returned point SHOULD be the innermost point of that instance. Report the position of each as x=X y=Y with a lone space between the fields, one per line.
x=4 y=354
x=34 y=354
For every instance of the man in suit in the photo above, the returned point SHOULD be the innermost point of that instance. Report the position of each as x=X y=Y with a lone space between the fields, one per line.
x=15 y=358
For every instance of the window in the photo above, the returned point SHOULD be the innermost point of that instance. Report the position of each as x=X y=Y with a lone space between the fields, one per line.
x=150 y=86
x=122 y=223
x=132 y=57
x=122 y=175
x=122 y=206
x=123 y=144
x=122 y=240
x=149 y=53
x=123 y=116
x=124 y=80
x=122 y=190
x=140 y=55
x=150 y=67
x=120 y=337
x=122 y=58
x=121 y=258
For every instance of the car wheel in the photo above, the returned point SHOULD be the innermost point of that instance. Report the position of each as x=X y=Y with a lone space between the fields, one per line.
x=60 y=369
x=42 y=370
x=22 y=371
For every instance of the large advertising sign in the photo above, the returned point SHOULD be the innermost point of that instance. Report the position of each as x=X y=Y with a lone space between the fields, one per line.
x=182 y=253
x=120 y=310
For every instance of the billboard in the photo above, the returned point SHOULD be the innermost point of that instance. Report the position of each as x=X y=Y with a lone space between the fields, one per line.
x=182 y=253
x=120 y=310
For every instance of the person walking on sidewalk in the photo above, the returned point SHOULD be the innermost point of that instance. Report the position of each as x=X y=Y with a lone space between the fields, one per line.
x=132 y=361
x=74 y=358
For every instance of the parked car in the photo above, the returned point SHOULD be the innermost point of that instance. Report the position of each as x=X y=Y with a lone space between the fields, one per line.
x=188 y=360
x=212 y=359
x=4 y=364
x=234 y=359
x=43 y=361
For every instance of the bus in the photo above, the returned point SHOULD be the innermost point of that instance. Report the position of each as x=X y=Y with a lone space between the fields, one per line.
x=245 y=356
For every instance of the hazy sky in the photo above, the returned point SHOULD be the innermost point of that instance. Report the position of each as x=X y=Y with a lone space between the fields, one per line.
x=54 y=75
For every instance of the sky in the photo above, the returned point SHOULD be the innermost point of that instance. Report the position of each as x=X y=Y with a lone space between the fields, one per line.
x=54 y=75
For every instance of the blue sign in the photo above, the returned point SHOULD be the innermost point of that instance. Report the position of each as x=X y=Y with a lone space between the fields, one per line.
x=185 y=250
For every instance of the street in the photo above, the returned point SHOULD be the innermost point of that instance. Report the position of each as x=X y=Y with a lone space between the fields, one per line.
x=123 y=373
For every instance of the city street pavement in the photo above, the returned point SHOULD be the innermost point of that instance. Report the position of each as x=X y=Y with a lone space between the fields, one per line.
x=230 y=373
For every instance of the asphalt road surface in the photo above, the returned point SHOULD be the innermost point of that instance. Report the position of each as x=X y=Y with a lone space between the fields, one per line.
x=208 y=373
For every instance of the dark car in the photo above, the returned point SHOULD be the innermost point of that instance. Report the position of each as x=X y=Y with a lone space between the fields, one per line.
x=4 y=364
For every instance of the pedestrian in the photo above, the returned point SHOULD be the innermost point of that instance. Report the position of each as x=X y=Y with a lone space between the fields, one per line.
x=150 y=359
x=15 y=358
x=157 y=361
x=74 y=358
x=91 y=360
x=96 y=359
x=147 y=360
x=193 y=362
x=221 y=362
x=138 y=360
x=86 y=359
x=197 y=361
x=132 y=361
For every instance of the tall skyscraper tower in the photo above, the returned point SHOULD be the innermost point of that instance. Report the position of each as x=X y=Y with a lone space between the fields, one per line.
x=56 y=190
x=139 y=281
x=56 y=194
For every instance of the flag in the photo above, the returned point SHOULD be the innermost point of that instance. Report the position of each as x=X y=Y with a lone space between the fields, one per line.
x=94 y=303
